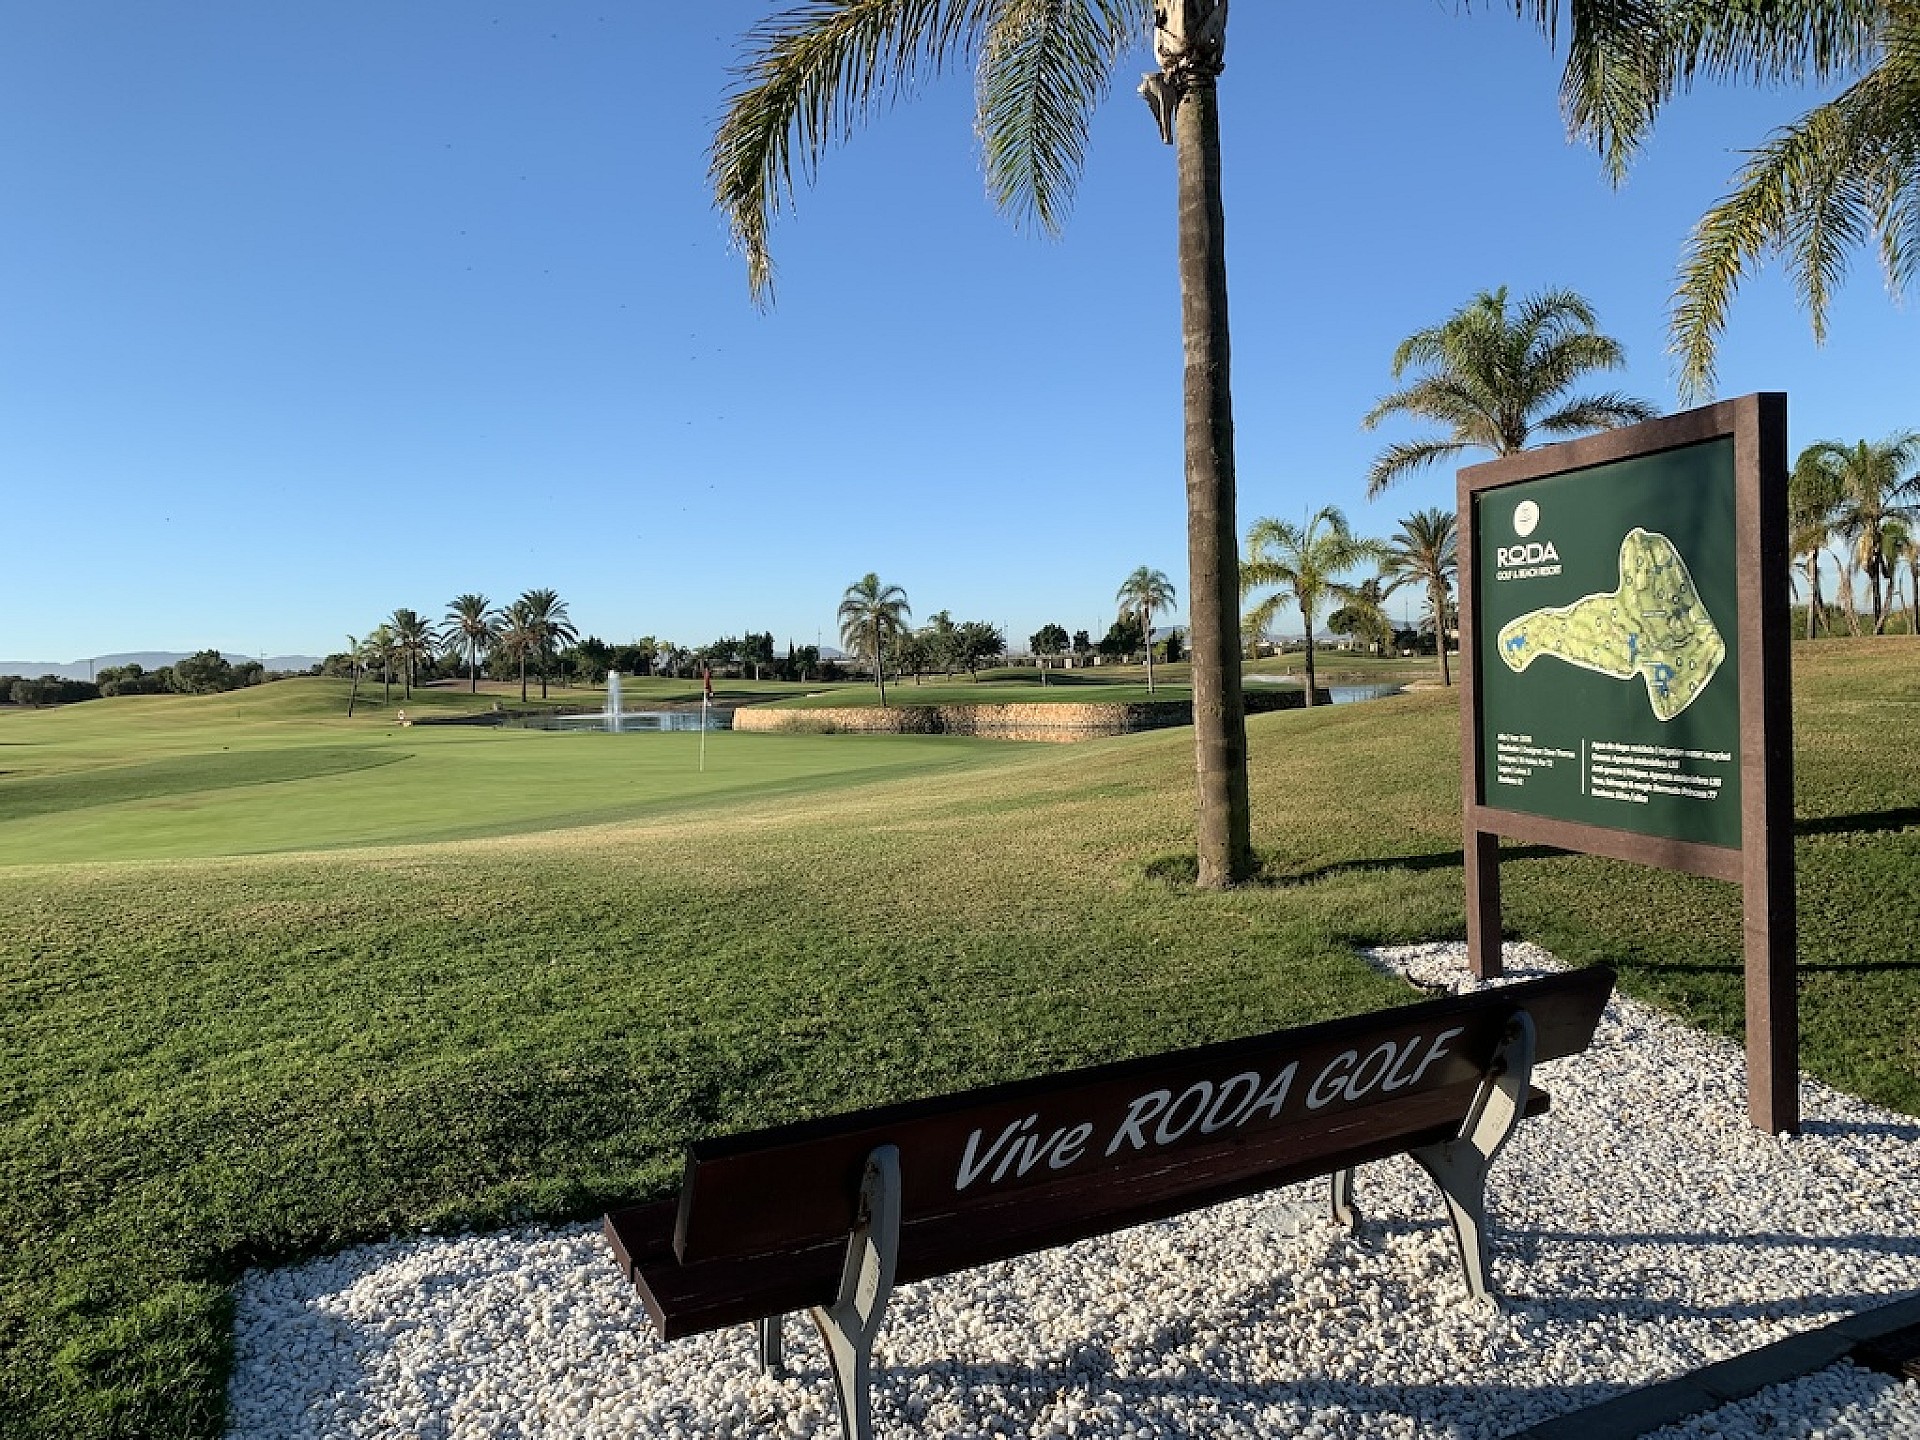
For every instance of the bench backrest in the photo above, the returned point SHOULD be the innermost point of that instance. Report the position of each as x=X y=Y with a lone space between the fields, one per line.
x=998 y=1170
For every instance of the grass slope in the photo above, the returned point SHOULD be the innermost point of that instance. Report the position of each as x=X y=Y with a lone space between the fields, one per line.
x=209 y=1060
x=279 y=768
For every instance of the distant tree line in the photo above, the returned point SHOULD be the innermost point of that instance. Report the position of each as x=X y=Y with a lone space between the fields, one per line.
x=206 y=672
x=534 y=637
x=47 y=690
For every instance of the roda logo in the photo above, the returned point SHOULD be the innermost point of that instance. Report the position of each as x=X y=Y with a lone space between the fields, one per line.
x=1531 y=554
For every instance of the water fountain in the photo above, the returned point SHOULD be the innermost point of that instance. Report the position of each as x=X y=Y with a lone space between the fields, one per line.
x=614 y=718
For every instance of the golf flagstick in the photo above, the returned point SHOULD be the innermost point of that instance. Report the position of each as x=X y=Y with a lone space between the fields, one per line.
x=706 y=703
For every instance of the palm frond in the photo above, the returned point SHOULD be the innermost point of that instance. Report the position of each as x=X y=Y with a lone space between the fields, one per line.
x=1627 y=58
x=814 y=72
x=1596 y=412
x=1045 y=66
x=1808 y=194
x=1405 y=456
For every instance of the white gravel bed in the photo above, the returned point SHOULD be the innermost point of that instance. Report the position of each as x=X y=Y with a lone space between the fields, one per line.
x=1640 y=1230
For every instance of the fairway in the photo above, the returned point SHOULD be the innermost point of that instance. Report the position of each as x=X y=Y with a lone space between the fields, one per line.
x=252 y=779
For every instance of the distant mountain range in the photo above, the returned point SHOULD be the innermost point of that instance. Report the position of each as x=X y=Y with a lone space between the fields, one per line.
x=145 y=659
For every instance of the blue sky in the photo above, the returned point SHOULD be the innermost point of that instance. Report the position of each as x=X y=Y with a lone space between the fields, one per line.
x=312 y=310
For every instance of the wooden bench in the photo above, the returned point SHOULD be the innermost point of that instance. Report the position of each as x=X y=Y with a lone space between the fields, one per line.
x=829 y=1215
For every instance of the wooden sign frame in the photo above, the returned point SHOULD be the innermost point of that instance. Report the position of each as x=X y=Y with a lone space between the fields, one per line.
x=1762 y=862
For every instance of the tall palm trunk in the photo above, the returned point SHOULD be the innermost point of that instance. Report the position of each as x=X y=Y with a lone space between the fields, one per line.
x=1219 y=711
x=1814 y=605
x=1146 y=631
x=1437 y=597
x=879 y=665
x=1306 y=616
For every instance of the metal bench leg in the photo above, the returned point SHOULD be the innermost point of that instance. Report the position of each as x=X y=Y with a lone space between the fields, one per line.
x=851 y=1322
x=1340 y=1194
x=771 y=1332
x=1460 y=1165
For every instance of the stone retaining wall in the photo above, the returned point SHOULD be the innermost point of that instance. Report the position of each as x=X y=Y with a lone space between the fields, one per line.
x=1061 y=722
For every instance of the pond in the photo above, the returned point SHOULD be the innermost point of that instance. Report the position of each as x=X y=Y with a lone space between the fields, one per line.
x=629 y=721
x=1346 y=694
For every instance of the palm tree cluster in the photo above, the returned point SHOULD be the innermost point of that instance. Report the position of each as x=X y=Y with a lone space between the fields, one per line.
x=1866 y=496
x=1303 y=565
x=530 y=630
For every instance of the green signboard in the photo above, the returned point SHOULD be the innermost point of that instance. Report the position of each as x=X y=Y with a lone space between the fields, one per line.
x=1605 y=619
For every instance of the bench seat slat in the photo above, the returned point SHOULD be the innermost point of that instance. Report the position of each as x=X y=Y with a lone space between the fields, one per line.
x=956 y=1149
x=687 y=1299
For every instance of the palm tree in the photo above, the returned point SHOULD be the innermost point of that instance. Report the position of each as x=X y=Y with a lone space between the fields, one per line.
x=414 y=641
x=1847 y=172
x=1299 y=563
x=1913 y=581
x=1495 y=379
x=470 y=629
x=1814 y=494
x=1872 y=480
x=1363 y=615
x=871 y=615
x=353 y=664
x=815 y=70
x=1896 y=548
x=514 y=639
x=1142 y=593
x=1846 y=592
x=380 y=647
x=548 y=626
x=1425 y=551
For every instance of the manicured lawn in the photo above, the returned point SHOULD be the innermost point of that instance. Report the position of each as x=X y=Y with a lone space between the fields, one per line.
x=300 y=991
x=250 y=779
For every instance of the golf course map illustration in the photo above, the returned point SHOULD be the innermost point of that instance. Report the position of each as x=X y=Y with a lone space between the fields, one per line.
x=1653 y=626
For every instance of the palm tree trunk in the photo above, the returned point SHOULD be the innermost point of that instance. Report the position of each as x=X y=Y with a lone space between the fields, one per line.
x=1813 y=591
x=1146 y=629
x=1219 y=709
x=1439 y=599
x=879 y=666
x=473 y=668
x=1306 y=616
